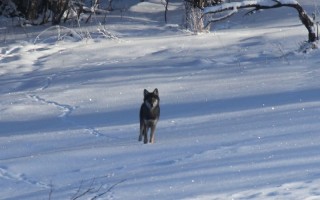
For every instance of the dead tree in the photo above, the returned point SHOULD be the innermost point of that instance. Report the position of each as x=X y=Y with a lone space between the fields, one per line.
x=166 y=10
x=193 y=11
x=263 y=5
x=193 y=20
x=58 y=9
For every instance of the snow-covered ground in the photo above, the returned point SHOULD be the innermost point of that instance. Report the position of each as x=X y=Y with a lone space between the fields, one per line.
x=240 y=109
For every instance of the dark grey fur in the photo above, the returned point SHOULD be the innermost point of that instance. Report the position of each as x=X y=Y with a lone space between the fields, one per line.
x=149 y=114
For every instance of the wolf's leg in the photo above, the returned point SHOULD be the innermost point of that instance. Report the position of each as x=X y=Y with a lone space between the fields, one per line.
x=153 y=128
x=145 y=134
x=141 y=132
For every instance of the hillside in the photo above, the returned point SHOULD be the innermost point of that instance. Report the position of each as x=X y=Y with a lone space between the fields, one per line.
x=240 y=109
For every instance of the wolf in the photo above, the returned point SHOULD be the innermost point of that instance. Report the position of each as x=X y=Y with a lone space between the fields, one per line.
x=149 y=115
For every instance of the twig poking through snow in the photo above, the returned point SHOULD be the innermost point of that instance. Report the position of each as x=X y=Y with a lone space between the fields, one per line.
x=60 y=36
x=102 y=30
x=91 y=189
x=109 y=189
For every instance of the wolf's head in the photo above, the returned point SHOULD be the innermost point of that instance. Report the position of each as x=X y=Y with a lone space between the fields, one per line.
x=151 y=99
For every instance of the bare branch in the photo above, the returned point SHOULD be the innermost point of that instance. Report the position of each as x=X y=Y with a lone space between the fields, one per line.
x=94 y=189
x=51 y=190
x=166 y=10
x=263 y=5
x=109 y=189
x=90 y=189
x=212 y=20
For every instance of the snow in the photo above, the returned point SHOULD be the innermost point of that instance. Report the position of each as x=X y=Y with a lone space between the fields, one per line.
x=240 y=110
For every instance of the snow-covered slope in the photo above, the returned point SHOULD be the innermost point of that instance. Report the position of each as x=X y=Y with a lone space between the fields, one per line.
x=240 y=111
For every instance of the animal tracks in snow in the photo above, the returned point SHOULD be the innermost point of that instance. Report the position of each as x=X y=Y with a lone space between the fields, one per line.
x=17 y=177
x=48 y=82
x=66 y=110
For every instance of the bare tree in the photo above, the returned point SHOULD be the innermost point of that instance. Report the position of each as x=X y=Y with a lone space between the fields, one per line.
x=109 y=8
x=32 y=10
x=58 y=8
x=193 y=13
x=166 y=10
x=8 y=8
x=260 y=5
x=38 y=12
x=193 y=20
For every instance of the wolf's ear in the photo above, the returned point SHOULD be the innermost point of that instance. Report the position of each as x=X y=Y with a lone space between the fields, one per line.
x=156 y=92
x=145 y=92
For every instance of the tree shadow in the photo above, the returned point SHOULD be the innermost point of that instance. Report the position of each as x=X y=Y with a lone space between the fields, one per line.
x=168 y=112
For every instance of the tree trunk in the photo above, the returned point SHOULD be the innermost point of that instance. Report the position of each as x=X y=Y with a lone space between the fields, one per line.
x=193 y=20
x=58 y=8
x=32 y=10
